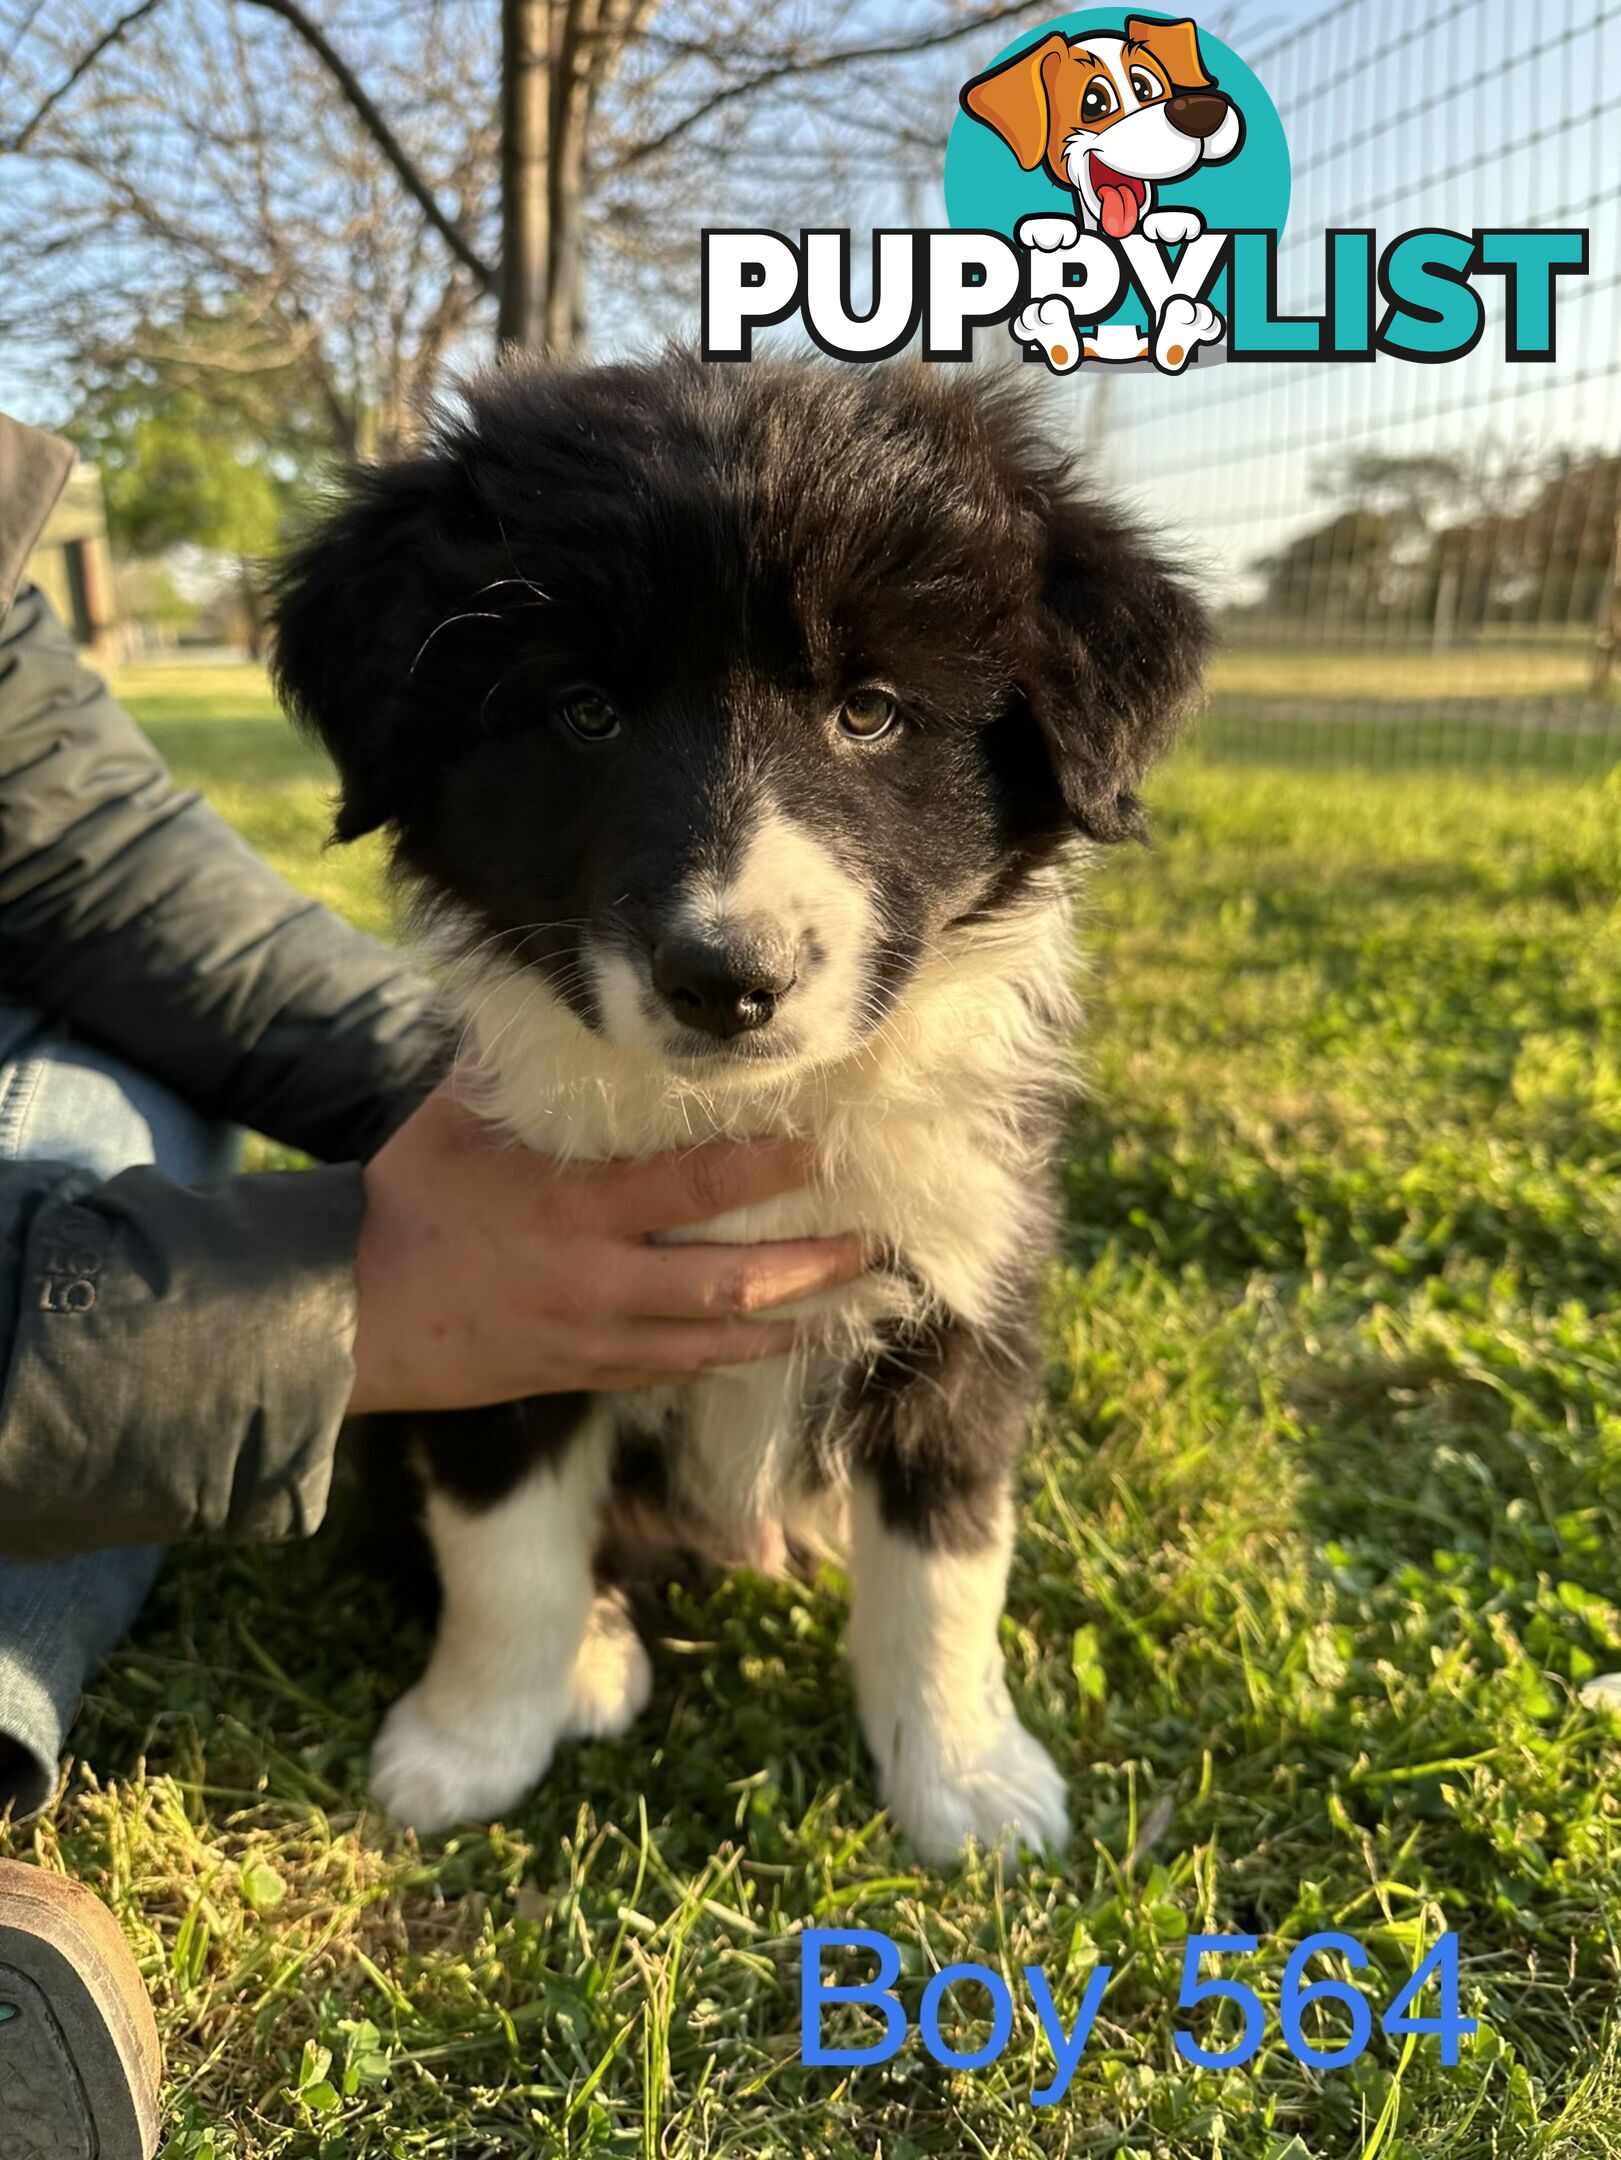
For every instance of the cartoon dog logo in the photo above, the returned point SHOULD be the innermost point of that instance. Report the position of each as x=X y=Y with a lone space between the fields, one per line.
x=1144 y=99
x=1111 y=119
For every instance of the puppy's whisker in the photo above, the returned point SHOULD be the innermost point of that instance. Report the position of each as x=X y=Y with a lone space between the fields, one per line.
x=518 y=576
x=449 y=623
x=525 y=584
x=468 y=959
x=497 y=686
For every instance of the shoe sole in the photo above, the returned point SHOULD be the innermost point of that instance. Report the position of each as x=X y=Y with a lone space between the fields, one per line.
x=79 y=2056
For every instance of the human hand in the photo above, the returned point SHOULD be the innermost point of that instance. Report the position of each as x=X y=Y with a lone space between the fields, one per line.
x=487 y=1272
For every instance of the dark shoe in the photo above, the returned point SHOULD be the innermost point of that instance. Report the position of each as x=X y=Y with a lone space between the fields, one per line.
x=79 y=2059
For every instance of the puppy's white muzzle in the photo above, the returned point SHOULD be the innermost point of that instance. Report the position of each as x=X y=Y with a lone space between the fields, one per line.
x=767 y=962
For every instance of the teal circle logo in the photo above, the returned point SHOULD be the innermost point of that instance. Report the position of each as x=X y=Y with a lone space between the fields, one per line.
x=1021 y=110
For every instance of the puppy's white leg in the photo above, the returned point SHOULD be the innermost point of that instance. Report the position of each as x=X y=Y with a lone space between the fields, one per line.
x=613 y=1676
x=953 y=1760
x=518 y=1640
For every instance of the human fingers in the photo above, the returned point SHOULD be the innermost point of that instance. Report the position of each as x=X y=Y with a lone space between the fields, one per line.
x=658 y=1352
x=689 y=1185
x=696 y=1282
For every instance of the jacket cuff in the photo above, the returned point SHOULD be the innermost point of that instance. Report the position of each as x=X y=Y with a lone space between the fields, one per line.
x=183 y=1360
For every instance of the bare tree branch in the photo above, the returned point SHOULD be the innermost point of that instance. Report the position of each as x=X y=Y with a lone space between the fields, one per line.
x=76 y=74
x=383 y=135
x=818 y=64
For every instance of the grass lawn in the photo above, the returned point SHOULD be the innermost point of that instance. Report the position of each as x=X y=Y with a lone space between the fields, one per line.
x=1400 y=668
x=1322 y=1531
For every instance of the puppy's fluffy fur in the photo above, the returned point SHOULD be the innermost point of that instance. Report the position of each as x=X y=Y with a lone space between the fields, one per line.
x=735 y=727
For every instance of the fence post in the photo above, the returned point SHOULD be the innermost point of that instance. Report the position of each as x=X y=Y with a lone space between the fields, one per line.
x=1446 y=608
x=1607 y=622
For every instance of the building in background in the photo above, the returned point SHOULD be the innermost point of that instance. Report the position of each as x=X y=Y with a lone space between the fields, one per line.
x=73 y=564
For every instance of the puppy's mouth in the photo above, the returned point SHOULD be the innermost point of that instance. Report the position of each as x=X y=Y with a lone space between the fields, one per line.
x=689 y=1050
x=1121 y=197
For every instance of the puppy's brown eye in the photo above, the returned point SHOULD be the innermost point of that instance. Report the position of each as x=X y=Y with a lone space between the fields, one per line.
x=587 y=714
x=1146 y=87
x=866 y=715
x=1099 y=100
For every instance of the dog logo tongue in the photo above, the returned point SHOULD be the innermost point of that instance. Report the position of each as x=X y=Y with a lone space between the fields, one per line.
x=1120 y=198
x=1118 y=207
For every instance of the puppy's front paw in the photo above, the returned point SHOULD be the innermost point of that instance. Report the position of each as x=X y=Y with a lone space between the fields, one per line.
x=429 y=1770
x=1172 y=227
x=1005 y=1792
x=612 y=1681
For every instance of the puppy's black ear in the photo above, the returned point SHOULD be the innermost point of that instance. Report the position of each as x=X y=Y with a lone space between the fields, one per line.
x=353 y=602
x=1122 y=643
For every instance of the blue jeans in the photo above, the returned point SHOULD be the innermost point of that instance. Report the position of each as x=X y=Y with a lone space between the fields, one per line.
x=61 y=1101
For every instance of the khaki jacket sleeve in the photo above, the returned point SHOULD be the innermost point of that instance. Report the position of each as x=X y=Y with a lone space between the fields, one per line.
x=131 y=910
x=176 y=1359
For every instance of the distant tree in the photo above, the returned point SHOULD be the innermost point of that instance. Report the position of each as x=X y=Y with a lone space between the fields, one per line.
x=148 y=594
x=1339 y=572
x=1570 y=534
x=1455 y=542
x=1408 y=489
x=1536 y=547
x=193 y=454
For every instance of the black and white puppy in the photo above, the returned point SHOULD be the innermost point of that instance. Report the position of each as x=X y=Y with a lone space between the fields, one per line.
x=736 y=727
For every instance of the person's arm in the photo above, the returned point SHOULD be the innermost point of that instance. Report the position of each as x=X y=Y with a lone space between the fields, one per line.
x=132 y=911
x=177 y=1362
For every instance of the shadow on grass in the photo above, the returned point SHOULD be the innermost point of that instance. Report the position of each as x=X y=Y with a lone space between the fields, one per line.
x=1410 y=1454
x=1209 y=1203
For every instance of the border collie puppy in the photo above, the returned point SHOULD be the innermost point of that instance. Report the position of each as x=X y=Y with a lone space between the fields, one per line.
x=736 y=728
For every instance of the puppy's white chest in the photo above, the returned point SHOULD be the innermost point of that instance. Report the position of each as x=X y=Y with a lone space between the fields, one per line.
x=741 y=1451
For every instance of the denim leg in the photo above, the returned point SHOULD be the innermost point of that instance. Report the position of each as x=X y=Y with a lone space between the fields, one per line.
x=61 y=1101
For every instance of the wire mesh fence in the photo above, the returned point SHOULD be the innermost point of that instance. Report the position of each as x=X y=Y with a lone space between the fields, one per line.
x=1414 y=563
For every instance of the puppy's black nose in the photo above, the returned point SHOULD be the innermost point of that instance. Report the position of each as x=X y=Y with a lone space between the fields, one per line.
x=722 y=989
x=1196 y=113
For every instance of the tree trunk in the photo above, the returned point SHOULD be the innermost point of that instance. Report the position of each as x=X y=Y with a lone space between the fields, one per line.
x=526 y=99
x=575 y=62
